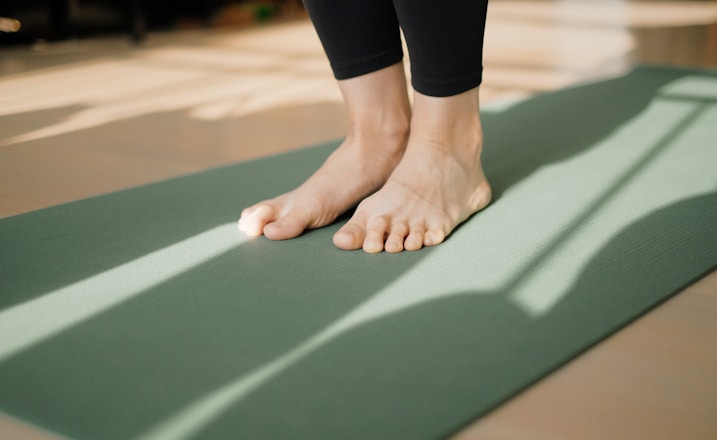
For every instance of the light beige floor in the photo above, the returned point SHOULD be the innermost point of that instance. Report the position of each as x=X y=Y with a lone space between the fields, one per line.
x=83 y=118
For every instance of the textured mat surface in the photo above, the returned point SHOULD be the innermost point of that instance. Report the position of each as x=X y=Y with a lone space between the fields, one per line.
x=144 y=314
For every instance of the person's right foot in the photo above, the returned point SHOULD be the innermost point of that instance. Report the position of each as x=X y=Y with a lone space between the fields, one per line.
x=380 y=113
x=356 y=169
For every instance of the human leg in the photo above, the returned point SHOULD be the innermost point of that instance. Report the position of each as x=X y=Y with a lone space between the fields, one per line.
x=379 y=114
x=445 y=43
x=439 y=182
x=358 y=36
x=362 y=41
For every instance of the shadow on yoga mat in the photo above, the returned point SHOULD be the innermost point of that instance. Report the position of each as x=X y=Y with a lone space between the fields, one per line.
x=144 y=314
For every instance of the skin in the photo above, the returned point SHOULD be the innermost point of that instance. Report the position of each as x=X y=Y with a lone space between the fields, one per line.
x=416 y=174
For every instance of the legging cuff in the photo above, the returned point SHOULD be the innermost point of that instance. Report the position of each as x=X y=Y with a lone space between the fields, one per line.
x=366 y=65
x=445 y=88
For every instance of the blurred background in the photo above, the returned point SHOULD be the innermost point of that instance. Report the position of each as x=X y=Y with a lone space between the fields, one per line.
x=102 y=95
x=99 y=95
x=56 y=20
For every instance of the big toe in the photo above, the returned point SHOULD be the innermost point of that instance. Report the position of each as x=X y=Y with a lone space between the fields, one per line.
x=350 y=237
x=285 y=227
x=253 y=220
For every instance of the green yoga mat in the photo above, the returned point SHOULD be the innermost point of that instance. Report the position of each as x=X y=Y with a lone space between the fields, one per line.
x=144 y=314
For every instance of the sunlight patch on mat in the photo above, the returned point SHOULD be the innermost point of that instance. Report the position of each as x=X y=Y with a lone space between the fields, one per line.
x=640 y=189
x=698 y=87
x=29 y=323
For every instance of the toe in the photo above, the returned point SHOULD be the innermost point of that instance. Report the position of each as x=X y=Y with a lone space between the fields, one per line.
x=434 y=237
x=376 y=235
x=253 y=220
x=350 y=236
x=415 y=238
x=394 y=242
x=285 y=227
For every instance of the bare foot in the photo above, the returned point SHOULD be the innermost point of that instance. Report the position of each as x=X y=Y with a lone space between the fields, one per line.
x=379 y=112
x=356 y=169
x=438 y=184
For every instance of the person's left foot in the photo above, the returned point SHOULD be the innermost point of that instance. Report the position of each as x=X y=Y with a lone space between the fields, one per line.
x=436 y=186
x=429 y=193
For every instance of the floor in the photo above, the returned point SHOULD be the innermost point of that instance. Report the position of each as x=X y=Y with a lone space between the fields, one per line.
x=86 y=117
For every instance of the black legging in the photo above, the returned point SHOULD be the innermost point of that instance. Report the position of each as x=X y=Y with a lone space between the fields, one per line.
x=444 y=39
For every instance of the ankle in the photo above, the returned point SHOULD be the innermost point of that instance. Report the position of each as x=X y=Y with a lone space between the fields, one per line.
x=381 y=133
x=388 y=118
x=459 y=140
x=448 y=125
